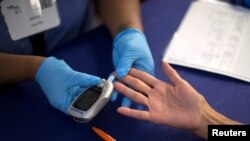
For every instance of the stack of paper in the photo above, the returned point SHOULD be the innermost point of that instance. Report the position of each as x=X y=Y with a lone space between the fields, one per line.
x=215 y=37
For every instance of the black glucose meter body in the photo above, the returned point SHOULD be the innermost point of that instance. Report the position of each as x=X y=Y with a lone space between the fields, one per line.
x=91 y=100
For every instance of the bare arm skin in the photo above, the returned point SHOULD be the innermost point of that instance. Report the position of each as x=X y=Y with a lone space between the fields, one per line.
x=16 y=68
x=120 y=14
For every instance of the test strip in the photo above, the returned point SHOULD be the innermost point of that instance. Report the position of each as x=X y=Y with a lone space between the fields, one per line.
x=111 y=77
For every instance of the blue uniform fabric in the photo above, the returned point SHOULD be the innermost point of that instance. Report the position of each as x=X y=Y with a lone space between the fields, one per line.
x=247 y=2
x=74 y=19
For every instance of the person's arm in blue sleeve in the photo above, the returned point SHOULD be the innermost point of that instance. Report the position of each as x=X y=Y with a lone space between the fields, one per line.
x=58 y=81
x=130 y=47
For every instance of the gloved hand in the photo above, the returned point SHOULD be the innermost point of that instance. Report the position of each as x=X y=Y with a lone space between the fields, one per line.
x=247 y=2
x=130 y=49
x=61 y=84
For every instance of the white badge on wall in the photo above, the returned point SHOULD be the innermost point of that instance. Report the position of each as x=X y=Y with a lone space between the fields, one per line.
x=28 y=17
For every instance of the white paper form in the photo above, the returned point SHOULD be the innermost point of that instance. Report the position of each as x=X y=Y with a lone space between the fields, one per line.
x=215 y=37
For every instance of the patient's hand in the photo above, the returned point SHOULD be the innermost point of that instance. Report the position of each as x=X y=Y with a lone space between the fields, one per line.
x=177 y=104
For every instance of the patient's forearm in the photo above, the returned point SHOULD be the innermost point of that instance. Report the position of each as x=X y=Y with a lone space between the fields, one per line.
x=212 y=117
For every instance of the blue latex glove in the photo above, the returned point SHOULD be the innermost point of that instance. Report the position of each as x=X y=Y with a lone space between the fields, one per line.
x=247 y=2
x=130 y=49
x=61 y=84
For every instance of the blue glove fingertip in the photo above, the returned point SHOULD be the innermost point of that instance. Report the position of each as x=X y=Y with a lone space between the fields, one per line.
x=123 y=70
x=114 y=96
x=121 y=73
x=95 y=80
x=126 y=102
x=87 y=80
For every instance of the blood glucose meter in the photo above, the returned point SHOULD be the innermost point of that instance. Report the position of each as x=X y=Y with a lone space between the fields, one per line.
x=91 y=100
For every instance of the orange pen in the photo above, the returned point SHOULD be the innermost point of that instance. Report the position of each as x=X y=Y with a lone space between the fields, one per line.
x=102 y=134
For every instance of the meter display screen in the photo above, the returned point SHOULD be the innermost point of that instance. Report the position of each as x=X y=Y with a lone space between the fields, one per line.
x=88 y=98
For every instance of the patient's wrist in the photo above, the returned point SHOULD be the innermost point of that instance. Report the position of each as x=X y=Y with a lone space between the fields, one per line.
x=211 y=117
